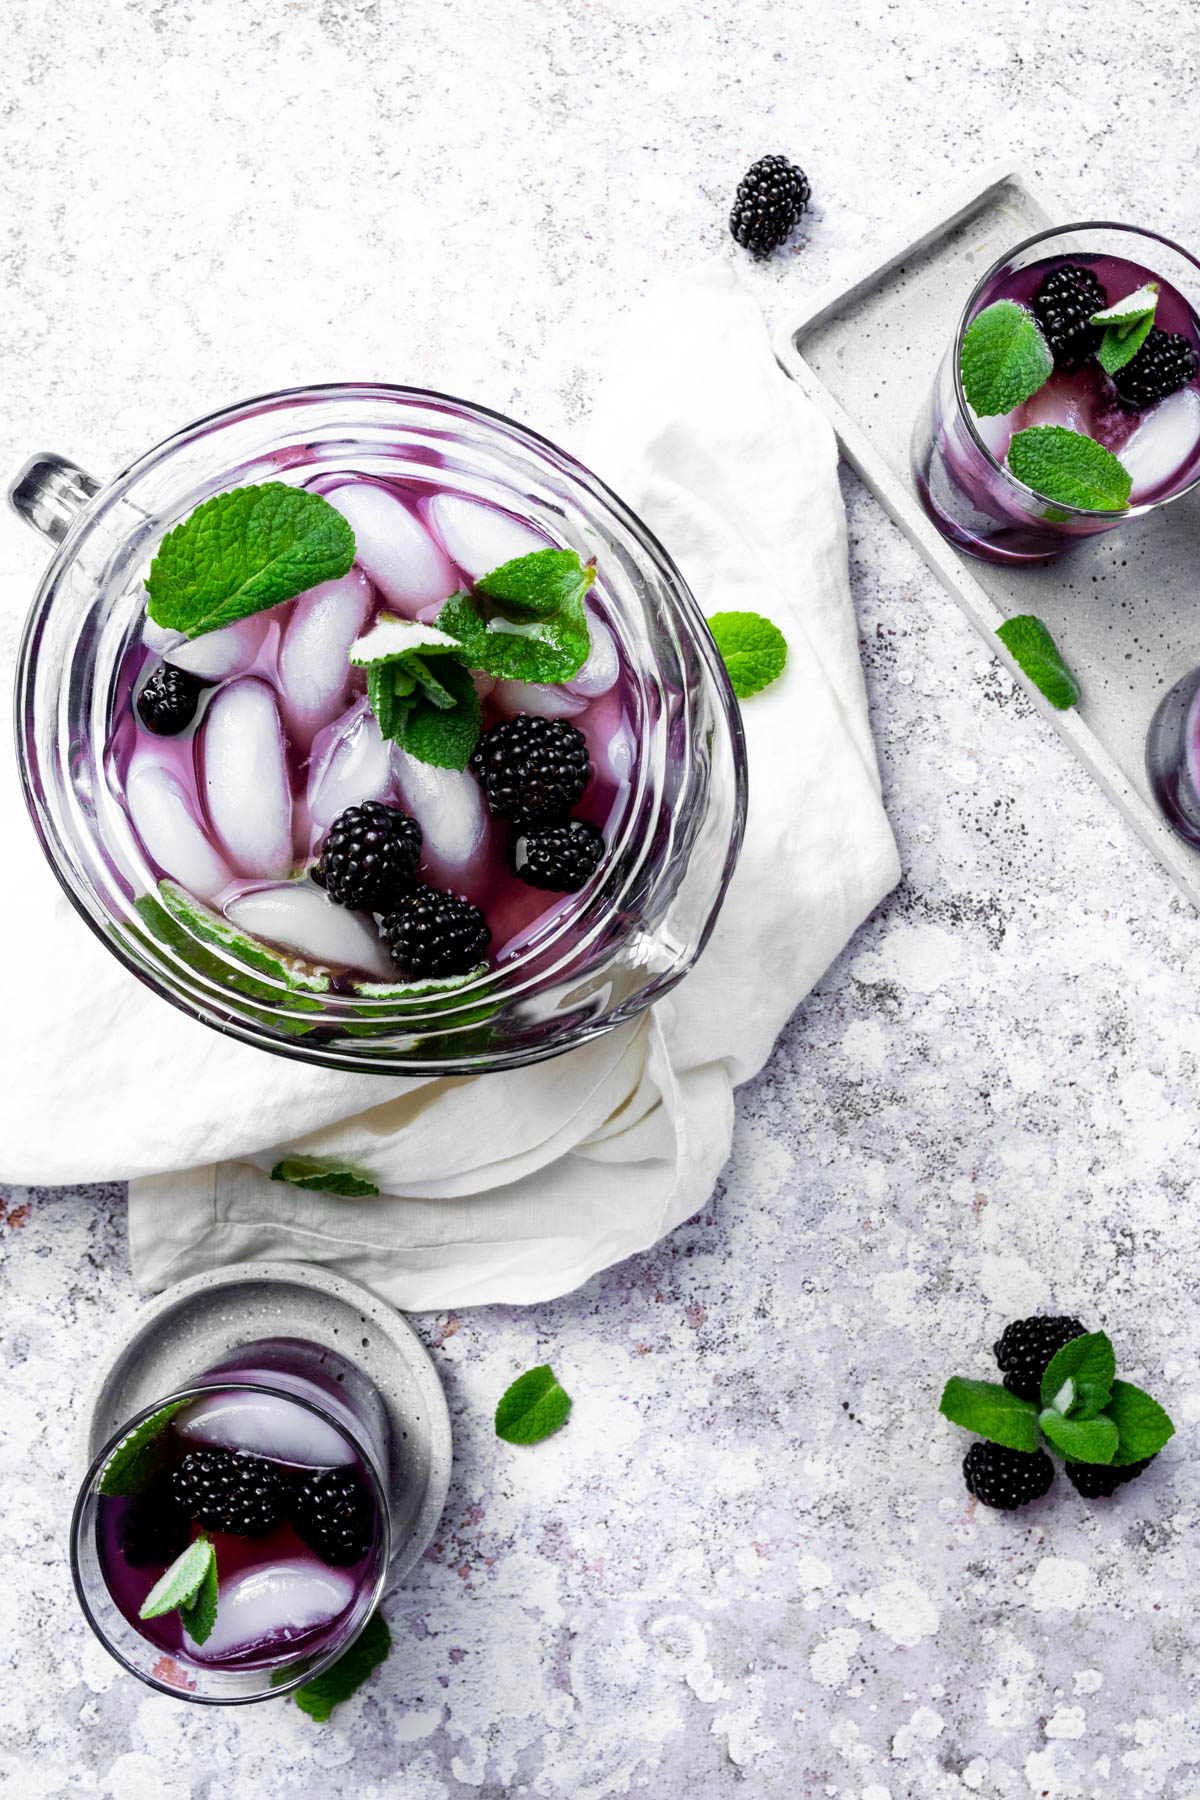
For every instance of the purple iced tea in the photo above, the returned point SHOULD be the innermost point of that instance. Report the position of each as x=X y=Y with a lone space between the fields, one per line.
x=1145 y=414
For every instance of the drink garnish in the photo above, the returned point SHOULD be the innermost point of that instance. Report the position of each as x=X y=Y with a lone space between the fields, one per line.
x=344 y=1677
x=533 y=1408
x=525 y=620
x=244 y=551
x=199 y=1615
x=135 y=1459
x=753 y=650
x=319 y=1178
x=189 y=1587
x=1126 y=325
x=420 y=690
x=1005 y=359
x=1068 y=467
x=1038 y=657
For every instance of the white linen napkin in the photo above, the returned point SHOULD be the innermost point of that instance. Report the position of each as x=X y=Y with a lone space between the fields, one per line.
x=515 y=1187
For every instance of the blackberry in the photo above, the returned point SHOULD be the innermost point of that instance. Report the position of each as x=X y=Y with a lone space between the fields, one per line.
x=154 y=1528
x=1063 y=305
x=334 y=1514
x=769 y=201
x=431 y=932
x=369 y=856
x=1006 y=1478
x=1165 y=363
x=1096 y=1481
x=532 y=769
x=1025 y=1348
x=557 y=857
x=226 y=1491
x=167 y=704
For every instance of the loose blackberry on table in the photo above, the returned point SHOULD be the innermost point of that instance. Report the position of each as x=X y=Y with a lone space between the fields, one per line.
x=1165 y=363
x=532 y=769
x=1025 y=1348
x=1063 y=306
x=225 y=1490
x=332 y=1511
x=369 y=856
x=1097 y=1481
x=771 y=197
x=431 y=933
x=1006 y=1479
x=559 y=858
x=167 y=703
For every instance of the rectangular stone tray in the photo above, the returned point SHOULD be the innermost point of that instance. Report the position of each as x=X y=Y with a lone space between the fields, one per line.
x=1123 y=607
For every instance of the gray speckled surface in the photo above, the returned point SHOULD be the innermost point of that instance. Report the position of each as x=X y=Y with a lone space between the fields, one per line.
x=747 y=1566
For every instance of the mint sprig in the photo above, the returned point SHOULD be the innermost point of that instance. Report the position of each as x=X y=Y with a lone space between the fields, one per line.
x=135 y=1459
x=753 y=650
x=420 y=690
x=344 y=1677
x=990 y=1411
x=1038 y=657
x=1070 y=468
x=1127 y=324
x=180 y=1585
x=533 y=1408
x=1005 y=359
x=525 y=620
x=243 y=551
x=1079 y=1377
x=199 y=1614
x=1142 y=1425
x=319 y=1178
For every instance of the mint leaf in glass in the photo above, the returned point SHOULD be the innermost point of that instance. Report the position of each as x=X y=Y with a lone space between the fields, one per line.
x=318 y=1178
x=135 y=1459
x=243 y=551
x=1005 y=359
x=533 y=1408
x=1080 y=1440
x=525 y=622
x=182 y=1582
x=990 y=1411
x=1068 y=467
x=1081 y=1375
x=420 y=690
x=199 y=1615
x=537 y=586
x=344 y=1677
x=753 y=650
x=1038 y=657
x=1142 y=1425
x=1126 y=325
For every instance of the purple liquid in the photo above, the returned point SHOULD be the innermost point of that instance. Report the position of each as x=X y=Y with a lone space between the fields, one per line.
x=1173 y=756
x=981 y=509
x=515 y=912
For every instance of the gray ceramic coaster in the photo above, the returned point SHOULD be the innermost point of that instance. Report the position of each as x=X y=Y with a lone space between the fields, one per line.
x=195 y=1324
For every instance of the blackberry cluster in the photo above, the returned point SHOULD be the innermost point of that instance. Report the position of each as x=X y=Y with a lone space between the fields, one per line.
x=1165 y=363
x=167 y=703
x=557 y=857
x=332 y=1511
x=533 y=771
x=1096 y=1481
x=1025 y=1349
x=1063 y=306
x=227 y=1491
x=770 y=199
x=1006 y=1478
x=431 y=933
x=369 y=856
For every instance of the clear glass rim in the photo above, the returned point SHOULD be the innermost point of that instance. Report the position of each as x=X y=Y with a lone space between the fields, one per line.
x=1039 y=237
x=88 y=1487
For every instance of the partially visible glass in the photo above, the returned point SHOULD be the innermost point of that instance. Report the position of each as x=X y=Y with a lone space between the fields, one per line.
x=970 y=495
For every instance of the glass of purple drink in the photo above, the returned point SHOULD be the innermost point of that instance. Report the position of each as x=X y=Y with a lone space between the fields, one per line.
x=960 y=459
x=275 y=1458
x=190 y=851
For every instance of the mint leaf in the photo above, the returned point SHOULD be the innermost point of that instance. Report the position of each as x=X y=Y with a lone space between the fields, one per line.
x=1005 y=359
x=1089 y=1365
x=199 y=1615
x=344 y=1677
x=315 y=1178
x=1142 y=1425
x=1080 y=1440
x=181 y=1583
x=1119 y=347
x=135 y=1459
x=752 y=649
x=243 y=551
x=420 y=690
x=1130 y=311
x=526 y=620
x=990 y=1411
x=1067 y=466
x=1037 y=656
x=533 y=1408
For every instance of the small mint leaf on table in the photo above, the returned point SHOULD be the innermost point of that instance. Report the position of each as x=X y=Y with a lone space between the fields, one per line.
x=1070 y=468
x=991 y=1412
x=1088 y=1365
x=753 y=650
x=1142 y=1425
x=1038 y=657
x=344 y=1677
x=182 y=1582
x=199 y=1615
x=525 y=622
x=244 y=551
x=1005 y=359
x=420 y=690
x=318 y=1178
x=1080 y=1440
x=533 y=1408
x=135 y=1459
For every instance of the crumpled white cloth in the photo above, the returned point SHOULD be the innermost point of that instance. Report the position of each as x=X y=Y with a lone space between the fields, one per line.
x=513 y=1187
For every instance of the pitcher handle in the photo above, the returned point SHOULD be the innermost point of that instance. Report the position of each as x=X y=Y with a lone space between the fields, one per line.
x=49 y=492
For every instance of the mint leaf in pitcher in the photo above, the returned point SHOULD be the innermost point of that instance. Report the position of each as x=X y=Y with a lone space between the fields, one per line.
x=243 y=551
x=1005 y=359
x=420 y=690
x=525 y=621
x=1069 y=467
